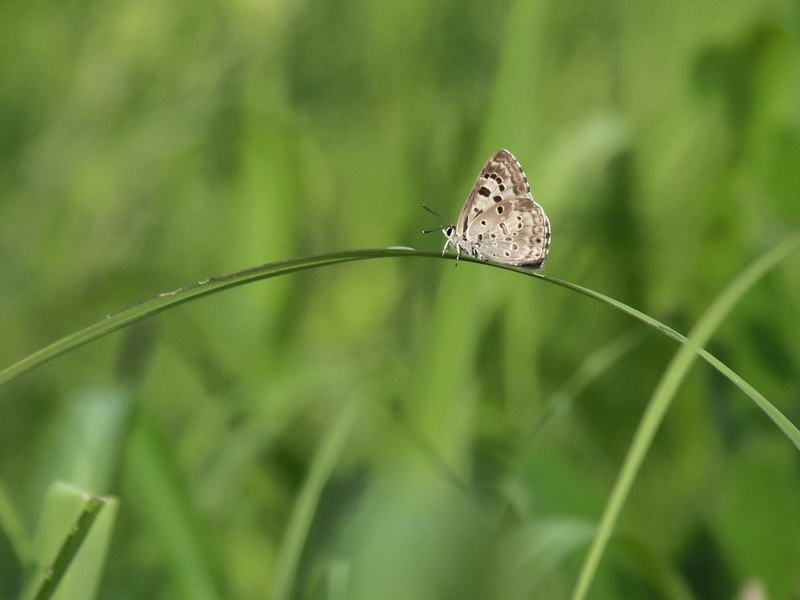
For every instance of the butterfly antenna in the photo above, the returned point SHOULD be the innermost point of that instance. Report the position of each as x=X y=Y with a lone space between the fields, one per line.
x=443 y=218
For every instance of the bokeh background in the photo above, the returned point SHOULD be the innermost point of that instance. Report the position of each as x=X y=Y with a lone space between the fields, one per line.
x=484 y=415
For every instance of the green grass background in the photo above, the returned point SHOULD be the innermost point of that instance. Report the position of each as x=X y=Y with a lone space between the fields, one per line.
x=146 y=145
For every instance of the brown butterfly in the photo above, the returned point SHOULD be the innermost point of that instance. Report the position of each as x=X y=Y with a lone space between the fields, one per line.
x=500 y=221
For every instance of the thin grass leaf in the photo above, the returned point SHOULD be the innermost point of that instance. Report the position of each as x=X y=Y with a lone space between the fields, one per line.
x=164 y=301
x=664 y=394
x=747 y=278
x=306 y=505
x=71 y=544
x=77 y=535
x=161 y=302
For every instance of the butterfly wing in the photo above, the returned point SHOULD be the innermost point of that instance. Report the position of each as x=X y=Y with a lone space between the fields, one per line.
x=501 y=178
x=500 y=221
x=514 y=231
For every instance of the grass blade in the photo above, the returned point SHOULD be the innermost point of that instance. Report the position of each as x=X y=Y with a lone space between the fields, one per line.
x=75 y=524
x=161 y=302
x=305 y=508
x=665 y=392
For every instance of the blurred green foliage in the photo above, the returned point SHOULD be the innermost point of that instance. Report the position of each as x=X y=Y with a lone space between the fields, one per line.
x=146 y=145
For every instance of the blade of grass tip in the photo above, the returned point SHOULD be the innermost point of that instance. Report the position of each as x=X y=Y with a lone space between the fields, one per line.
x=69 y=549
x=662 y=398
x=306 y=505
x=161 y=302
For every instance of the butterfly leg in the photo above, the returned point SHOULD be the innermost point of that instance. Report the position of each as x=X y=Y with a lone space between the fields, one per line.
x=455 y=246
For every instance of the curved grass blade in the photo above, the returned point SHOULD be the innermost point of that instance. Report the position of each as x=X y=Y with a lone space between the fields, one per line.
x=732 y=294
x=213 y=285
x=665 y=392
x=161 y=302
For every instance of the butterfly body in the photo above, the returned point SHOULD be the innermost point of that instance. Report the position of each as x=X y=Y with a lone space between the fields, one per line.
x=500 y=220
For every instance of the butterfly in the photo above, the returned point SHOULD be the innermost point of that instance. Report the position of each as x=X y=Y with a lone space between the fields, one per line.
x=500 y=221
